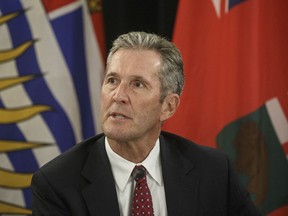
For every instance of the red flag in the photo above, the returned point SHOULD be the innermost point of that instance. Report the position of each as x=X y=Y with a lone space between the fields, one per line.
x=235 y=62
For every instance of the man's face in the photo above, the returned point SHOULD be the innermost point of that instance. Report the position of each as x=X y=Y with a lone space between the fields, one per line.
x=130 y=98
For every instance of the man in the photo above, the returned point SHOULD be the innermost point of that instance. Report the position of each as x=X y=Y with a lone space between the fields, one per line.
x=141 y=90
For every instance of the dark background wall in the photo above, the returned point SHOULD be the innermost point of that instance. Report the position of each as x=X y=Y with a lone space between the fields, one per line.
x=122 y=16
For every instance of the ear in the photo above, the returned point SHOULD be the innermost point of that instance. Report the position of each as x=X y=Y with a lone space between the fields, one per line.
x=169 y=106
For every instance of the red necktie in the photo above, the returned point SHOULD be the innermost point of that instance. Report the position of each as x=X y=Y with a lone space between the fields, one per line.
x=142 y=200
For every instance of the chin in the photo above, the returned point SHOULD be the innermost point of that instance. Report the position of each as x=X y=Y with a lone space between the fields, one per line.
x=118 y=135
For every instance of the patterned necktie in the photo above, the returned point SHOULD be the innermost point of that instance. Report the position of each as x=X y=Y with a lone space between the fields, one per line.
x=142 y=200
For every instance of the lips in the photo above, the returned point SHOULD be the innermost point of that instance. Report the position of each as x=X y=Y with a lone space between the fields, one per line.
x=118 y=115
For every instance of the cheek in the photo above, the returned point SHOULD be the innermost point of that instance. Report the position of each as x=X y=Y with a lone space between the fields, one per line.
x=105 y=97
x=151 y=111
x=104 y=103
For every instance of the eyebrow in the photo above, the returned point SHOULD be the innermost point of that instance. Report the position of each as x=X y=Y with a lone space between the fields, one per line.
x=111 y=74
x=139 y=77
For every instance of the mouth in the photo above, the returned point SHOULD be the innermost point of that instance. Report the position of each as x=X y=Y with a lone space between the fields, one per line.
x=118 y=115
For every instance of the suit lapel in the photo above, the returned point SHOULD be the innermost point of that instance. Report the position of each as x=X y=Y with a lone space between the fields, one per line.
x=180 y=182
x=99 y=193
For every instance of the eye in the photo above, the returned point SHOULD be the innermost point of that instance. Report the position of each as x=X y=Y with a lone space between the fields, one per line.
x=138 y=84
x=111 y=80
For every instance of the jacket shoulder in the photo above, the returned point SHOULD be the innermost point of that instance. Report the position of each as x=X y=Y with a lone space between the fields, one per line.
x=72 y=160
x=201 y=156
x=186 y=145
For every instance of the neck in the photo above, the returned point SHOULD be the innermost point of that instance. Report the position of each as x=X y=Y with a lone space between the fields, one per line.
x=134 y=151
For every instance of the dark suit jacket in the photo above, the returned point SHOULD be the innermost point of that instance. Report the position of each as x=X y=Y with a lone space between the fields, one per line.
x=198 y=181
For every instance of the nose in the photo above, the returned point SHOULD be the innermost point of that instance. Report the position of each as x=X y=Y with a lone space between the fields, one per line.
x=121 y=94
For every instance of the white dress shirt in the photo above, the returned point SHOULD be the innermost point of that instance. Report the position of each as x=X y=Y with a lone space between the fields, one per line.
x=122 y=169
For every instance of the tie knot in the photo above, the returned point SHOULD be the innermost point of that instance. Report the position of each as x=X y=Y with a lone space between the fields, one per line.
x=139 y=173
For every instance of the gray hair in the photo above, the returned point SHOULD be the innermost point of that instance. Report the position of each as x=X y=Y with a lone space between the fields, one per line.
x=171 y=73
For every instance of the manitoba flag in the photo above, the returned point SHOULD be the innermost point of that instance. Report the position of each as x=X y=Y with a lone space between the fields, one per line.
x=236 y=92
x=50 y=78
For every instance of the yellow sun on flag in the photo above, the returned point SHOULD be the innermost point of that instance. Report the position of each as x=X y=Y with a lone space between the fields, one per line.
x=10 y=179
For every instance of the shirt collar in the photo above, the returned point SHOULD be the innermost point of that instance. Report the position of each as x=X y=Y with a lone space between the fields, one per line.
x=122 y=168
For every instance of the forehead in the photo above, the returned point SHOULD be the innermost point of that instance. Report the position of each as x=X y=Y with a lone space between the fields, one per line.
x=138 y=62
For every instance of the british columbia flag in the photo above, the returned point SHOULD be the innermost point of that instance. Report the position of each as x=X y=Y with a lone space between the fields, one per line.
x=50 y=78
